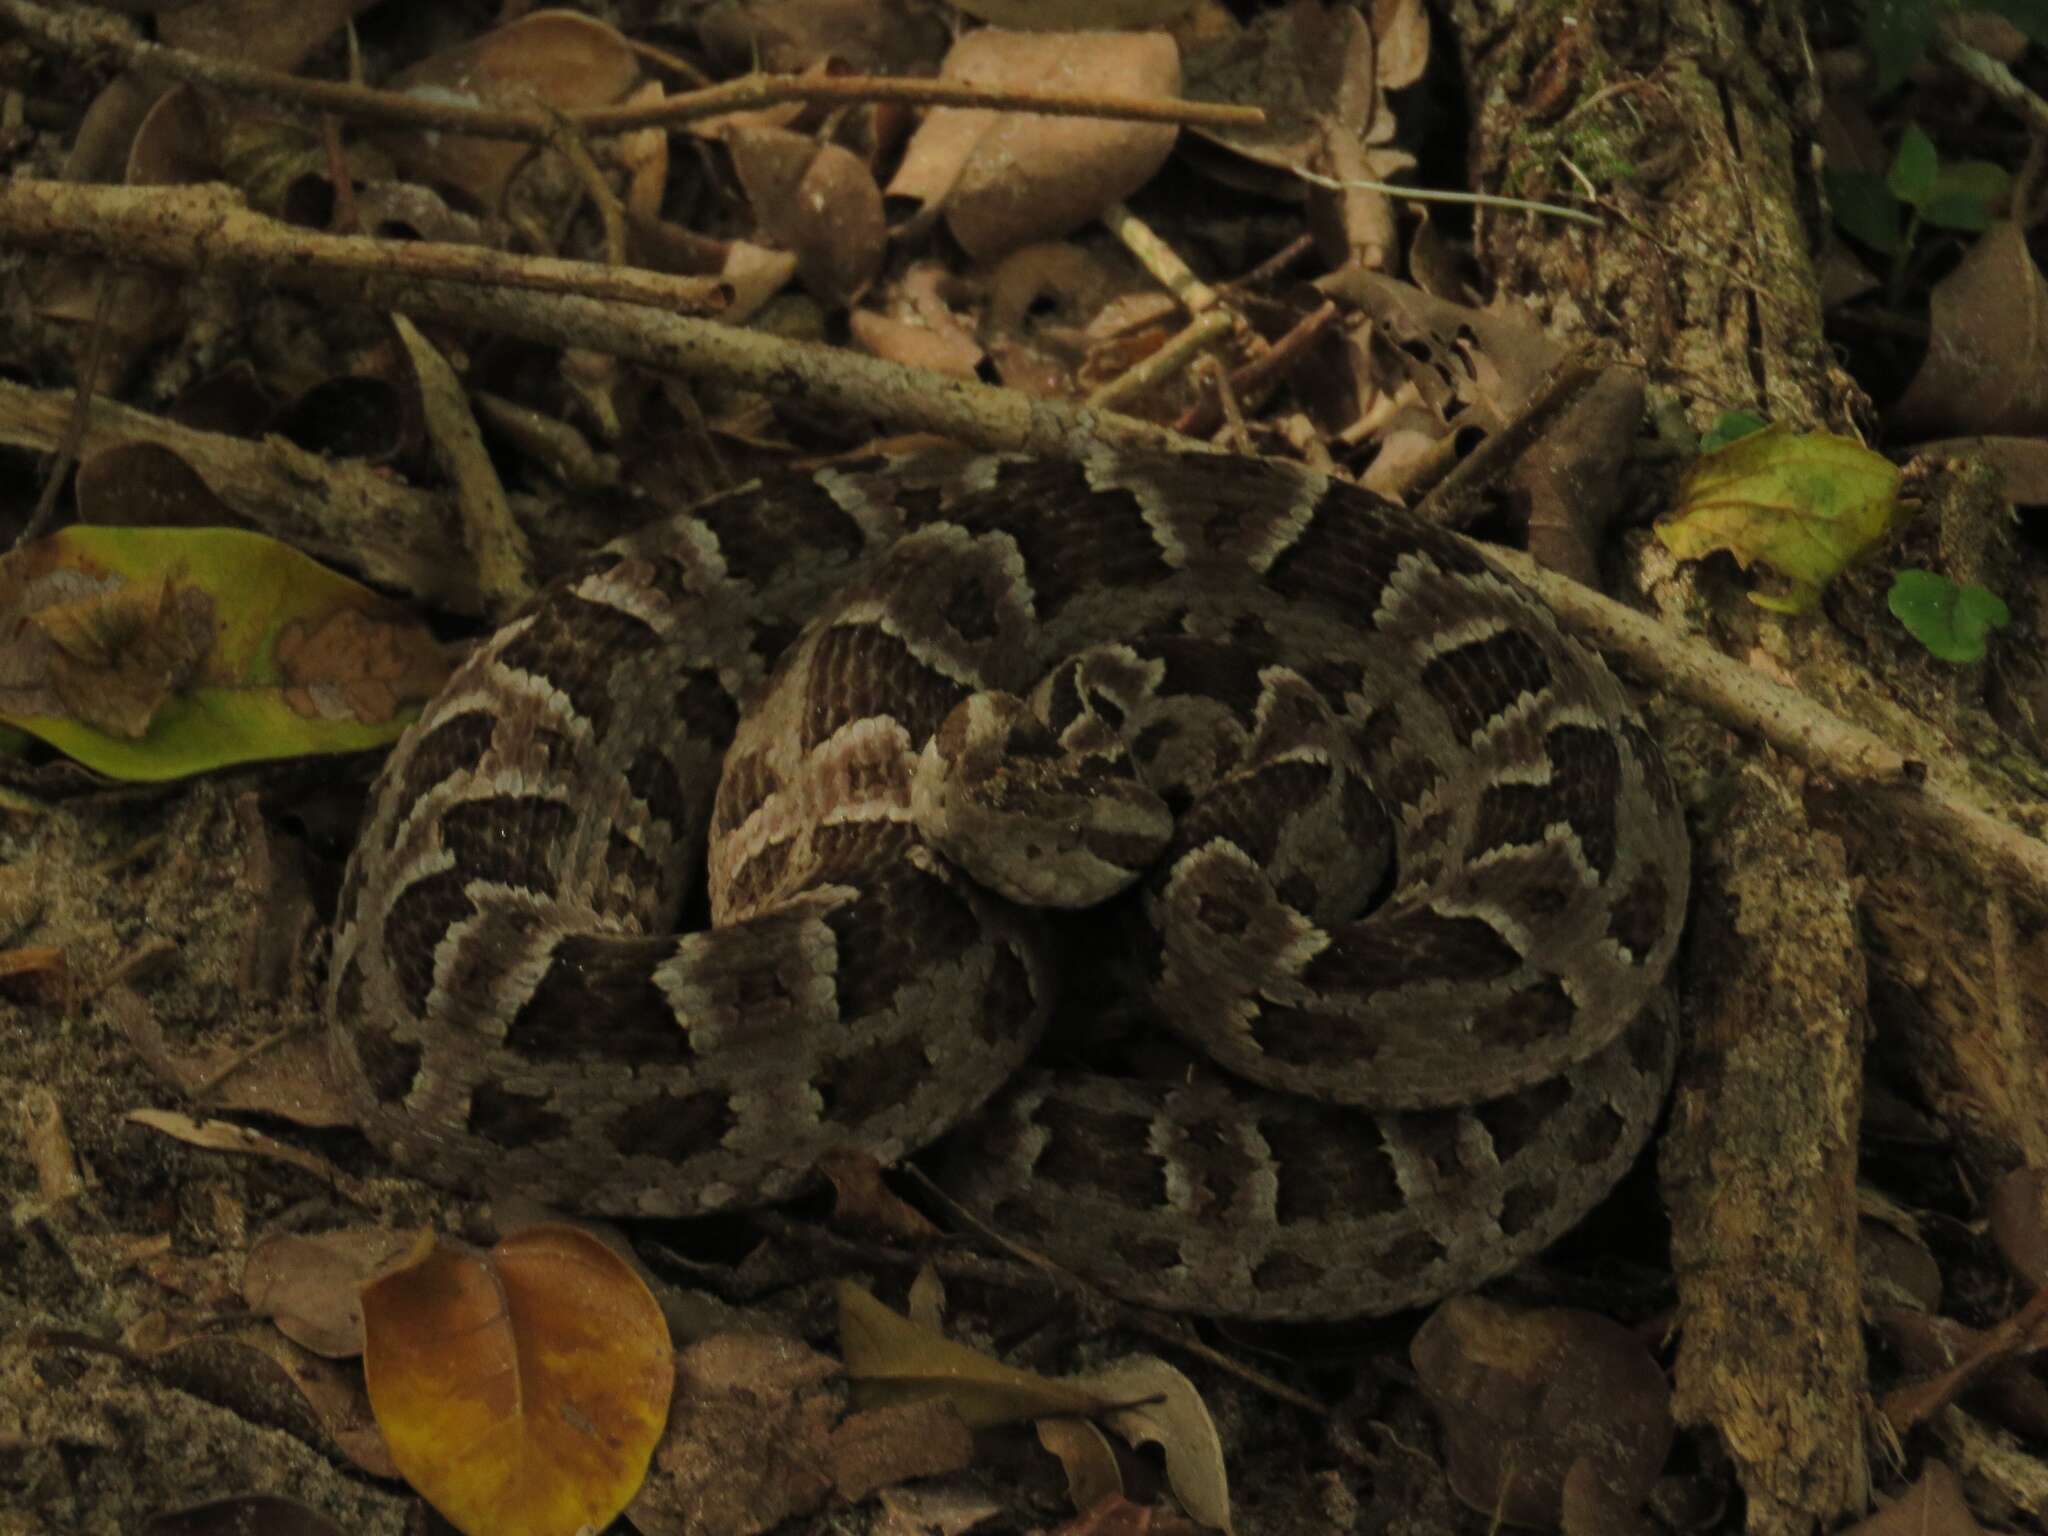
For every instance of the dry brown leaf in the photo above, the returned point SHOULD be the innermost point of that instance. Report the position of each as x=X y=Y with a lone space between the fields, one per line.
x=224 y=1136
x=1987 y=360
x=929 y=1510
x=310 y=1285
x=556 y=60
x=1004 y=179
x=816 y=200
x=1522 y=1397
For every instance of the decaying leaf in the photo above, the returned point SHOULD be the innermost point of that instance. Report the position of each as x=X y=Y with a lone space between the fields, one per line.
x=1523 y=1397
x=817 y=200
x=1004 y=179
x=1802 y=505
x=889 y=1359
x=152 y=653
x=522 y=1390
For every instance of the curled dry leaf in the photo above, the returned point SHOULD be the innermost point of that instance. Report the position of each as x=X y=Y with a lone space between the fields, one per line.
x=1004 y=179
x=817 y=200
x=550 y=60
x=522 y=1390
x=1987 y=360
x=1522 y=1397
x=1165 y=1410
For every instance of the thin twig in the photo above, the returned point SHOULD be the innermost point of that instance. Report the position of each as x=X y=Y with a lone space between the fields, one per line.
x=205 y=228
x=83 y=35
x=1993 y=76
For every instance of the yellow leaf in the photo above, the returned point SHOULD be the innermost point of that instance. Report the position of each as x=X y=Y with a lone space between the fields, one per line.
x=889 y=1359
x=1803 y=506
x=522 y=1391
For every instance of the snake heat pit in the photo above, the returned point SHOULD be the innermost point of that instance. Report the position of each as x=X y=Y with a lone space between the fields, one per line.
x=1396 y=858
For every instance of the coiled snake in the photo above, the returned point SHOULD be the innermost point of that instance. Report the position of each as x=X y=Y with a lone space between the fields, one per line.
x=1408 y=872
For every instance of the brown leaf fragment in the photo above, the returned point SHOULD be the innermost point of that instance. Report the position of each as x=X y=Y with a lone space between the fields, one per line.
x=1933 y=1506
x=1524 y=1397
x=1987 y=361
x=1004 y=179
x=933 y=1510
x=1569 y=484
x=817 y=200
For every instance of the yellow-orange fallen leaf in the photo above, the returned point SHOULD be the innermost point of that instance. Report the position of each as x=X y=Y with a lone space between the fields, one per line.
x=522 y=1390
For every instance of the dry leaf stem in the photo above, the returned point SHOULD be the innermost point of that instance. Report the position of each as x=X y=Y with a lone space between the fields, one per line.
x=84 y=35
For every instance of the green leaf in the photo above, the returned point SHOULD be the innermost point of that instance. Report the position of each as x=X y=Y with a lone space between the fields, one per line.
x=1951 y=621
x=1915 y=167
x=1965 y=194
x=1897 y=33
x=1730 y=426
x=1865 y=208
x=1803 y=506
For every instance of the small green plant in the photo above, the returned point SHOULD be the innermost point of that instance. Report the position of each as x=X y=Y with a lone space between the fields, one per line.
x=1951 y=621
x=1886 y=212
x=1898 y=32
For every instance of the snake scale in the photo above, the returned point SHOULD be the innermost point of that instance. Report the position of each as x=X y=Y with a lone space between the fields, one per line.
x=742 y=843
